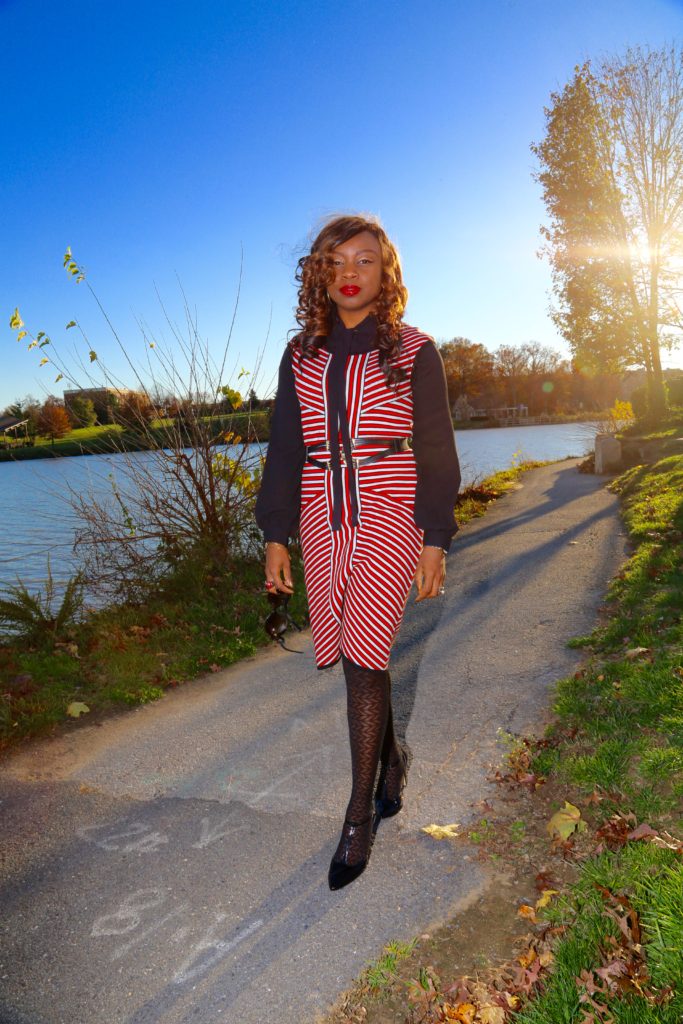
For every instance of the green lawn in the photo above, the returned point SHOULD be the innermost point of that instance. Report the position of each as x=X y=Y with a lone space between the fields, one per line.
x=125 y=656
x=114 y=438
x=601 y=941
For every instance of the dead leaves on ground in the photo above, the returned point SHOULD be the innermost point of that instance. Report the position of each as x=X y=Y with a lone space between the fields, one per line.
x=623 y=828
x=497 y=995
x=519 y=761
x=623 y=968
x=543 y=900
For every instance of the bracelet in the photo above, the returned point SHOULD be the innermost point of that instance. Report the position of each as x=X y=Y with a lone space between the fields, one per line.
x=437 y=546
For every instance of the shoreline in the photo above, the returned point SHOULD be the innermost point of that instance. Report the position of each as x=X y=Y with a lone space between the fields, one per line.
x=111 y=443
x=43 y=682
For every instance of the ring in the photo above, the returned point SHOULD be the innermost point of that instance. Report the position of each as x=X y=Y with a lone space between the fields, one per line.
x=442 y=590
x=269 y=584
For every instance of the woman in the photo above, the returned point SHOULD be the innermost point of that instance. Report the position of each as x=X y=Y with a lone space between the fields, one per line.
x=373 y=514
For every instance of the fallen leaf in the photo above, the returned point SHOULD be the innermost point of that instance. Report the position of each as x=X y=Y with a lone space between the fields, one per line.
x=545 y=898
x=668 y=842
x=566 y=821
x=543 y=880
x=526 y=959
x=526 y=911
x=442 y=831
x=614 y=969
x=512 y=1001
x=490 y=1014
x=463 y=1012
x=643 y=831
x=215 y=667
x=615 y=831
x=636 y=652
x=546 y=958
x=77 y=708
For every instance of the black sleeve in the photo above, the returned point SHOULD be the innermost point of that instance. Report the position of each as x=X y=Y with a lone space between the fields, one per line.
x=279 y=499
x=438 y=469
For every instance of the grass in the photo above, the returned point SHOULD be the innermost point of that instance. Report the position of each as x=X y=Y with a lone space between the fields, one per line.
x=623 y=713
x=126 y=656
x=596 y=941
x=474 y=501
x=611 y=941
x=380 y=974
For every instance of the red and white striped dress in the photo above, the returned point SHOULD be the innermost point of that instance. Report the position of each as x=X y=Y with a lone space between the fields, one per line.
x=358 y=576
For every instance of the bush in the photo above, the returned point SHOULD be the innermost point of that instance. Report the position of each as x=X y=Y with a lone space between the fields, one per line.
x=40 y=618
x=191 y=497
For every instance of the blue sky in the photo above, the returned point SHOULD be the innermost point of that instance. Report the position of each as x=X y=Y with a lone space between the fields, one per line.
x=163 y=141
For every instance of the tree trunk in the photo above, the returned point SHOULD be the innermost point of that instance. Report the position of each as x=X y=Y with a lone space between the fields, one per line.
x=656 y=393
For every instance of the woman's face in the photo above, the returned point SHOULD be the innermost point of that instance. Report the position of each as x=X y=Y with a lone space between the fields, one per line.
x=358 y=277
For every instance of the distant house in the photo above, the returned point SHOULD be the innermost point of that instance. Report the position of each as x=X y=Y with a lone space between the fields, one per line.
x=10 y=430
x=463 y=412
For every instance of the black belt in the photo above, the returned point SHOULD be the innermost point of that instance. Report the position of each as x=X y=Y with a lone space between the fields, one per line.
x=394 y=444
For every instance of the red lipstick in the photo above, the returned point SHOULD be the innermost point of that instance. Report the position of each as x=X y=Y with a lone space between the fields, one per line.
x=350 y=289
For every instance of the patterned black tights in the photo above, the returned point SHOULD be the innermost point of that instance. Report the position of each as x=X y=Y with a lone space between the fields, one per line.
x=371 y=734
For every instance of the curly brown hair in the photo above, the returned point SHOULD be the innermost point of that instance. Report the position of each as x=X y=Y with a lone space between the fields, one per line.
x=315 y=272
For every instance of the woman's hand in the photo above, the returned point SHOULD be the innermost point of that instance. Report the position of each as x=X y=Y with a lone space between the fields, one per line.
x=430 y=573
x=279 y=568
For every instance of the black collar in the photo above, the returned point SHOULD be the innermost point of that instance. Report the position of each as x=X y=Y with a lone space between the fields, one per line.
x=352 y=340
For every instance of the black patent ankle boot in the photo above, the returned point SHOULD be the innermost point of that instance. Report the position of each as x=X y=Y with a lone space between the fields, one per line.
x=342 y=869
x=387 y=806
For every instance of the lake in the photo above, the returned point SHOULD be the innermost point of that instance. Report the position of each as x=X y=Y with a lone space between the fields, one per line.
x=37 y=520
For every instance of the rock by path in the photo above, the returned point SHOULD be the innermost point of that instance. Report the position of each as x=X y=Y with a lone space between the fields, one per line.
x=169 y=866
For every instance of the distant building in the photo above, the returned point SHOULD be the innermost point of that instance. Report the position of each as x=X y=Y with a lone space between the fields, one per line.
x=510 y=413
x=10 y=424
x=96 y=395
x=463 y=412
x=11 y=430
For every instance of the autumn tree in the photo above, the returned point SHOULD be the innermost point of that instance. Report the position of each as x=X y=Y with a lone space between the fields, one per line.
x=611 y=169
x=134 y=412
x=510 y=362
x=53 y=419
x=468 y=366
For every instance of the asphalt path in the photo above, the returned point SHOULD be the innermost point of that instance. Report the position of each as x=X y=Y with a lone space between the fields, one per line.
x=169 y=866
